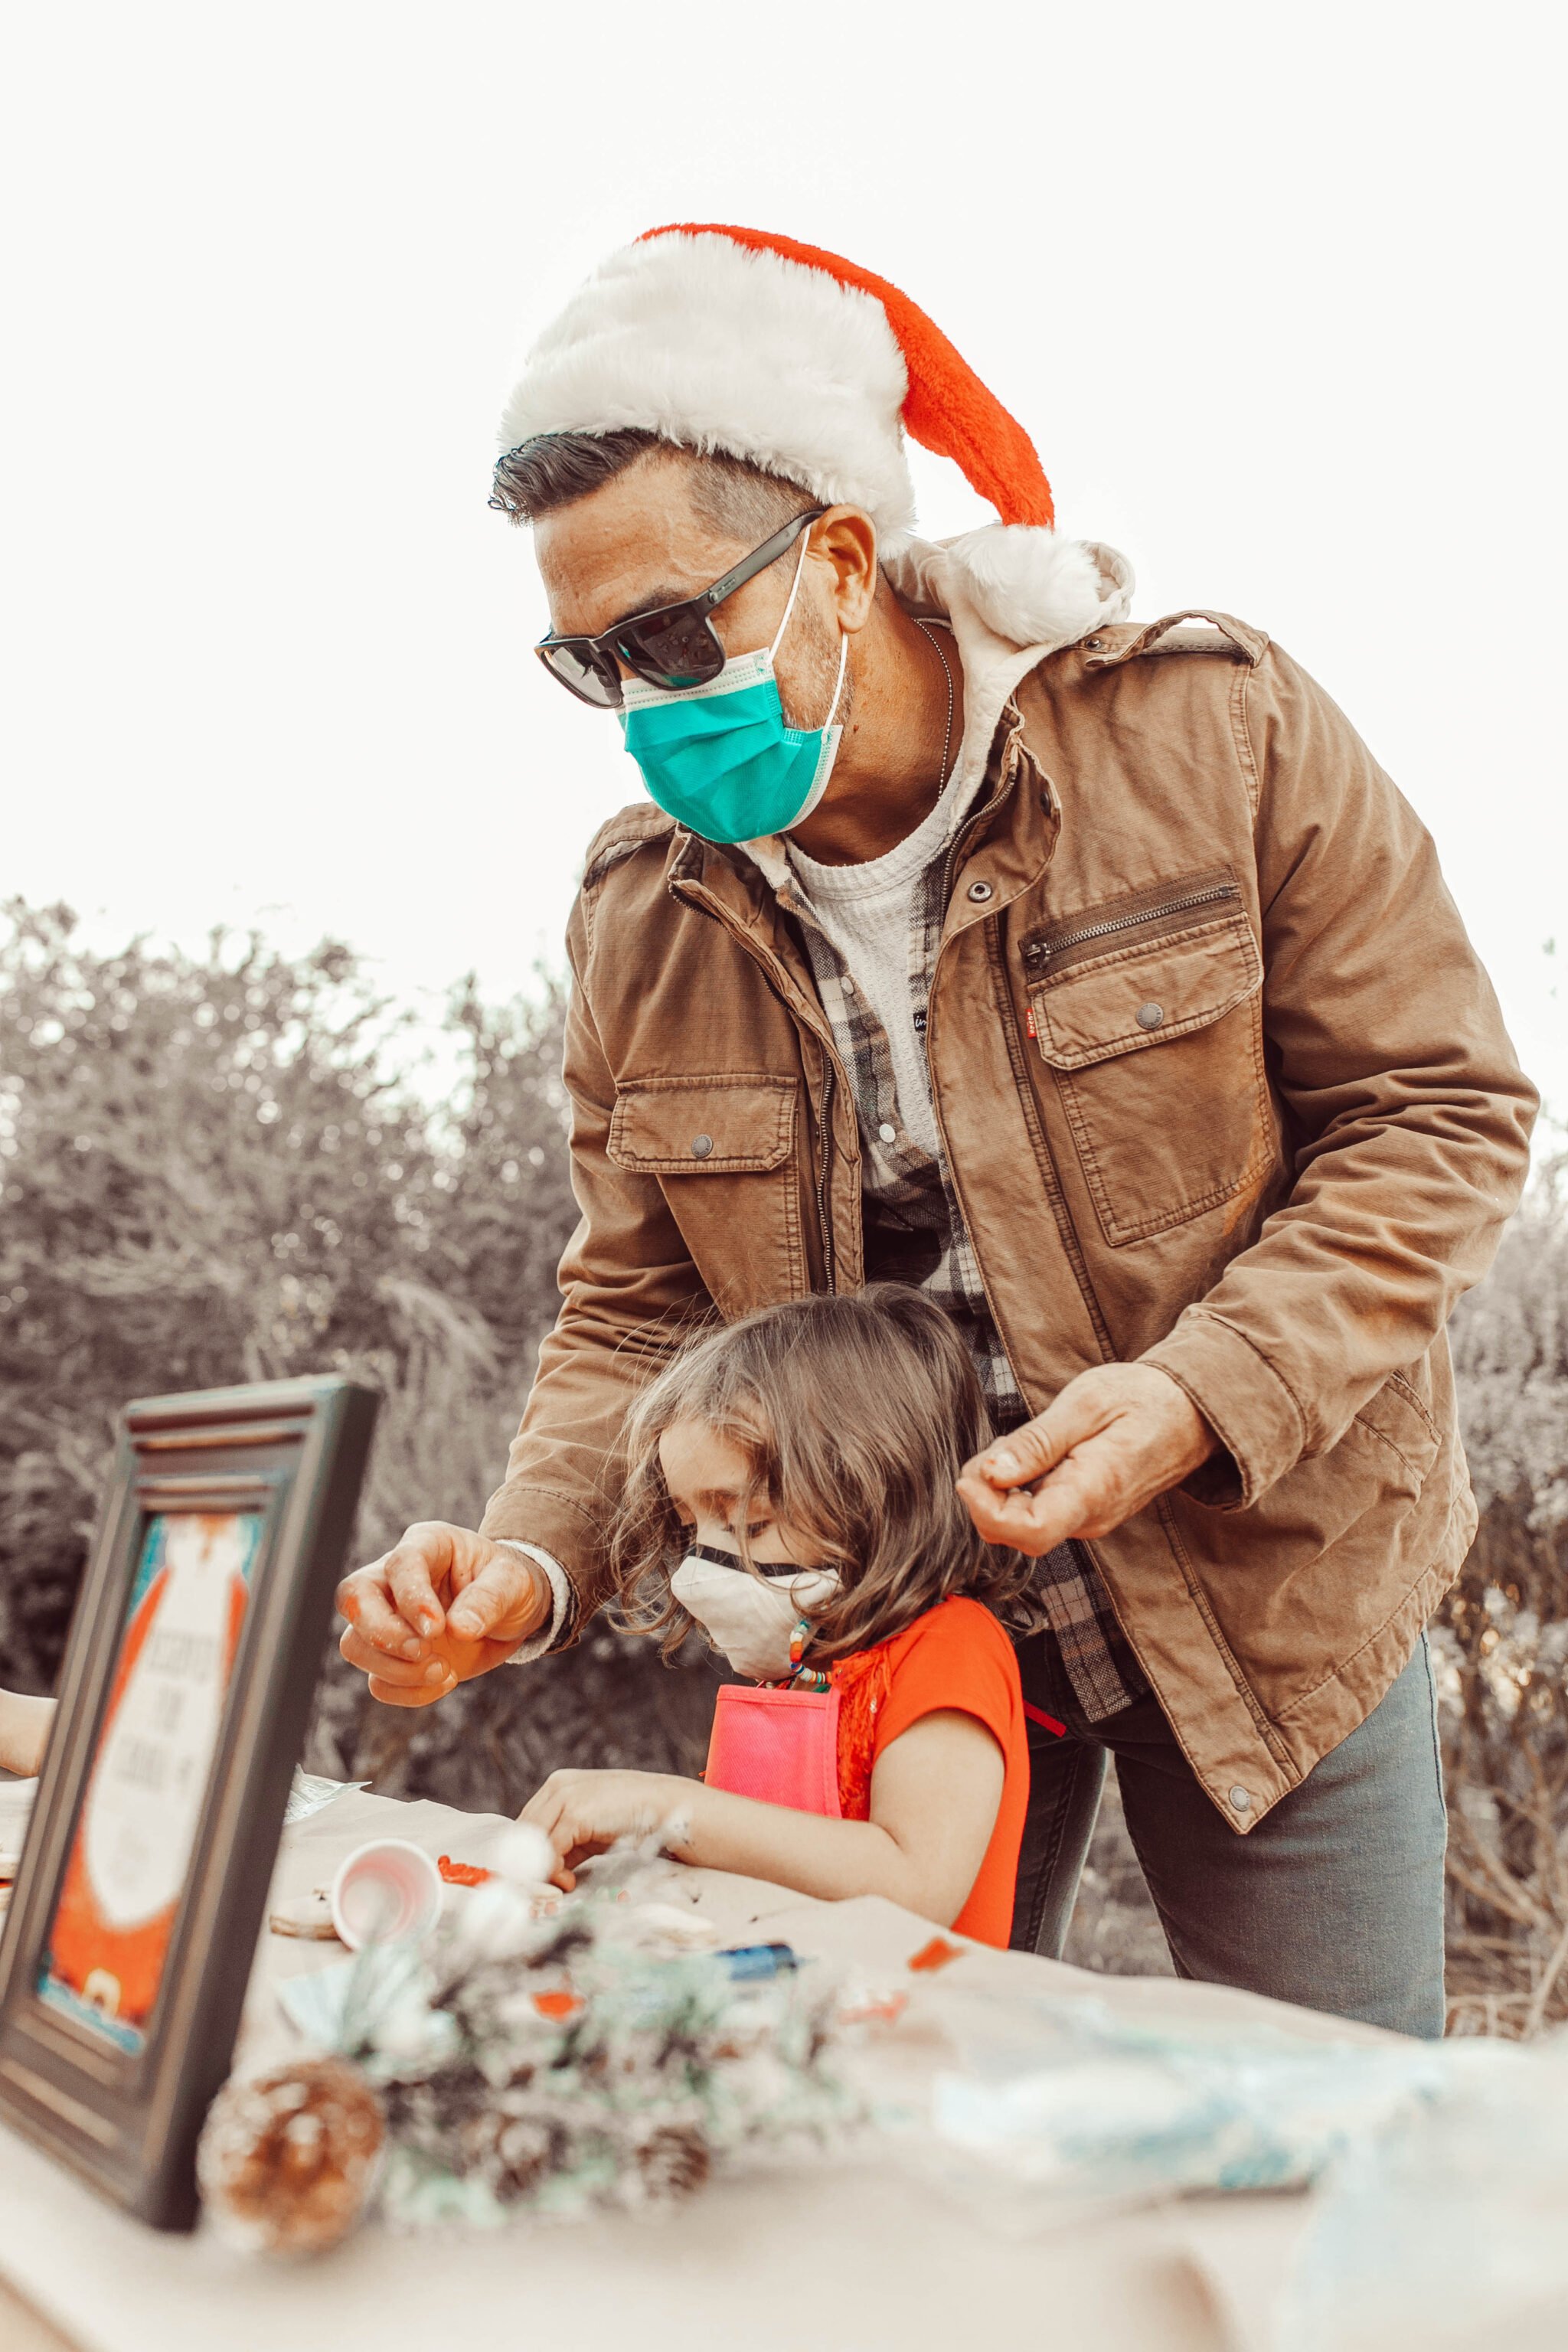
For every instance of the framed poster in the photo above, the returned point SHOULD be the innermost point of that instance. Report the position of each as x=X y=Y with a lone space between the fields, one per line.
x=184 y=1699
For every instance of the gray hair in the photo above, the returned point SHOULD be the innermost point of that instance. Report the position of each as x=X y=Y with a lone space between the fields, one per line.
x=743 y=501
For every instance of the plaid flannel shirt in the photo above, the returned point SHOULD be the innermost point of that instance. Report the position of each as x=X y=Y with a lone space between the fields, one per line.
x=909 y=1191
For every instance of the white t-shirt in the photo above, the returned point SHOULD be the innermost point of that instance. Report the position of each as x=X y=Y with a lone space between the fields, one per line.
x=868 y=913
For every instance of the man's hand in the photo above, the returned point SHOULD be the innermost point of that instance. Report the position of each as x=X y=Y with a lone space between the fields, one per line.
x=582 y=1813
x=1116 y=1437
x=442 y=1606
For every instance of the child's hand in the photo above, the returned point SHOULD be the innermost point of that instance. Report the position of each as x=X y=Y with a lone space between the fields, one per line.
x=581 y=1813
x=23 y=1730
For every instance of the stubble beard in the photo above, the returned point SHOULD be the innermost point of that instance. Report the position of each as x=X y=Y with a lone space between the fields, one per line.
x=810 y=696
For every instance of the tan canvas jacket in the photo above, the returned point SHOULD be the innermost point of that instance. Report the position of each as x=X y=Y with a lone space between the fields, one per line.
x=1223 y=1086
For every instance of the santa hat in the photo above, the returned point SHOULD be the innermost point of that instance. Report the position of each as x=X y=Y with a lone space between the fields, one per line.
x=732 y=340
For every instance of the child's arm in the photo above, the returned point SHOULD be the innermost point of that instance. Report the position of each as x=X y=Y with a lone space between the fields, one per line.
x=24 y=1729
x=935 y=1793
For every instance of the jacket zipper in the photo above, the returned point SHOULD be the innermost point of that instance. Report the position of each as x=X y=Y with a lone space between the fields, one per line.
x=969 y=826
x=1041 y=953
x=824 y=1226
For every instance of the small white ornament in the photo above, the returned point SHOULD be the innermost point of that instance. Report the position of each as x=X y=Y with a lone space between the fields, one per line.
x=525 y=1856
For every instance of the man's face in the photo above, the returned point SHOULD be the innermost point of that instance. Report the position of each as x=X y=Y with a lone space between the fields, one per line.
x=639 y=542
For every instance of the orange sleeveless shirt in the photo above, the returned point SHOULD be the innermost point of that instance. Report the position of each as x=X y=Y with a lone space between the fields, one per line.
x=957 y=1657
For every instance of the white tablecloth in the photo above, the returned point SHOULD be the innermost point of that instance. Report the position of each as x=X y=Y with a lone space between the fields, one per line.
x=855 y=2255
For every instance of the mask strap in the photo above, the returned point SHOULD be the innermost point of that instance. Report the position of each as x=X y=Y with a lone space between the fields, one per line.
x=839 y=682
x=842 y=634
x=793 y=585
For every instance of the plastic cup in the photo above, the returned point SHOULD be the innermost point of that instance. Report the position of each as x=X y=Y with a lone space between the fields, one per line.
x=383 y=1892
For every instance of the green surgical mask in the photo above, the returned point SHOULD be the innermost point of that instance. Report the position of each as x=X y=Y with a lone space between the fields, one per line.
x=719 y=758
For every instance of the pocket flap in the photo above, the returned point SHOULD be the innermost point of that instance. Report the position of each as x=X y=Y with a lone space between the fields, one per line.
x=1146 y=995
x=703 y=1126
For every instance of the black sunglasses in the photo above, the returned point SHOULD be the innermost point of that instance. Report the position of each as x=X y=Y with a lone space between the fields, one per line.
x=672 y=646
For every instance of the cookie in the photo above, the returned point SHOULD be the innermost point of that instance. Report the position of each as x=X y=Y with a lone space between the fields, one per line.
x=305 y=1914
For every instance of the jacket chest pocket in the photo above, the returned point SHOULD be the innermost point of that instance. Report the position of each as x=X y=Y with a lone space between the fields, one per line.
x=722 y=1150
x=1148 y=1012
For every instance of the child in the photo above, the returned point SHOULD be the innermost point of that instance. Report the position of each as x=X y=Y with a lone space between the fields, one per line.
x=23 y=1727
x=791 y=1489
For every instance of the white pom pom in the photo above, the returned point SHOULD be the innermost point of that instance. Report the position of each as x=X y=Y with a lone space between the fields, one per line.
x=524 y=1855
x=1035 y=589
x=495 y=1922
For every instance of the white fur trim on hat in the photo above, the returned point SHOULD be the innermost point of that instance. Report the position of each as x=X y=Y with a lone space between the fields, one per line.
x=719 y=347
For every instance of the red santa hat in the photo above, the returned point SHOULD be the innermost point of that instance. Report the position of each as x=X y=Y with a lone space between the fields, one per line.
x=732 y=340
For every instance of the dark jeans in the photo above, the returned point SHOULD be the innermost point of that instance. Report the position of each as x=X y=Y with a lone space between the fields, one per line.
x=1334 y=1901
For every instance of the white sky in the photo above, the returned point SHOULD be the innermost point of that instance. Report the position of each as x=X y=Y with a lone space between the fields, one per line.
x=1273 y=286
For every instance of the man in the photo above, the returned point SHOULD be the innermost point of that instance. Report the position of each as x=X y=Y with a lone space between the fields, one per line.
x=1090 y=974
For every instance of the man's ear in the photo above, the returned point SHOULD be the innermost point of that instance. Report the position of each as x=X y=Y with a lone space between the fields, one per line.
x=847 y=538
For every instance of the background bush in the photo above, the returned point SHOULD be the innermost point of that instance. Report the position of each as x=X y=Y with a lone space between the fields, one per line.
x=228 y=1167
x=219 y=1168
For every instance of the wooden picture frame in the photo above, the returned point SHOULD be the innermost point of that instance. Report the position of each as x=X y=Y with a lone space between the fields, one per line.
x=184 y=1696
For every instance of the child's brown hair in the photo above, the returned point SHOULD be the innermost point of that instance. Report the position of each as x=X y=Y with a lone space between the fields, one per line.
x=854 y=1415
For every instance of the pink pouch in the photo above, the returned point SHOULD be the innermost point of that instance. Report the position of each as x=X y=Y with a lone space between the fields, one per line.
x=780 y=1745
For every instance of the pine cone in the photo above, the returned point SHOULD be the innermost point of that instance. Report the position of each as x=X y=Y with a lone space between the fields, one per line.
x=674 y=2160
x=287 y=2161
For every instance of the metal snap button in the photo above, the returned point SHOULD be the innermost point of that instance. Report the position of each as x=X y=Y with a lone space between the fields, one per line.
x=1151 y=1015
x=889 y=1133
x=980 y=892
x=1241 y=1800
x=701 y=1145
x=1092 y=645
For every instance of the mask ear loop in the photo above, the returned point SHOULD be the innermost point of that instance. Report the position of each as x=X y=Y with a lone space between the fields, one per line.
x=842 y=634
x=839 y=681
x=793 y=589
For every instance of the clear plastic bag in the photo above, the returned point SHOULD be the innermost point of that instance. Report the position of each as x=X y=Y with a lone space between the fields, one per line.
x=1057 y=2107
x=1448 y=2229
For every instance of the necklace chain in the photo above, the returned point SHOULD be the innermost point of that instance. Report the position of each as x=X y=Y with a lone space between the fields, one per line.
x=927 y=631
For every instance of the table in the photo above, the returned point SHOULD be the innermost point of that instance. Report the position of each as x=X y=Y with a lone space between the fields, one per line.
x=854 y=2256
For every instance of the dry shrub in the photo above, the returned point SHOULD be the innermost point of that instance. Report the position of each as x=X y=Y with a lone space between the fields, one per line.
x=216 y=1168
x=1501 y=1647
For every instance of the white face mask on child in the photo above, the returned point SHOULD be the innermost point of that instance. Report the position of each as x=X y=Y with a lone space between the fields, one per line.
x=750 y=1620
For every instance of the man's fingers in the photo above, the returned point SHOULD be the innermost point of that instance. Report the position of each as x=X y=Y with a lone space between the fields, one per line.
x=1033 y=1451
x=498 y=1598
x=363 y=1600
x=413 y=1568
x=1116 y=1437
x=395 y=1694
x=439 y=1578
x=1067 y=1504
x=405 y=1674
